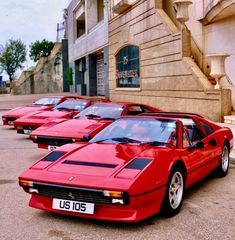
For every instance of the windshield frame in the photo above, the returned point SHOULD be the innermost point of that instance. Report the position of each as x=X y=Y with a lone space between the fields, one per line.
x=83 y=102
x=90 y=111
x=54 y=102
x=152 y=136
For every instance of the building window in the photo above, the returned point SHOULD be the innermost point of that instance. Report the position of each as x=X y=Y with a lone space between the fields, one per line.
x=127 y=65
x=81 y=25
x=100 y=10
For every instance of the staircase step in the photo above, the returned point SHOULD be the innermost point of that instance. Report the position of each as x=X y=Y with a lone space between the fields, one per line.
x=229 y=119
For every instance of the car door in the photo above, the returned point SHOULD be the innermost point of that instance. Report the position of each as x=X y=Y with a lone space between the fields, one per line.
x=199 y=152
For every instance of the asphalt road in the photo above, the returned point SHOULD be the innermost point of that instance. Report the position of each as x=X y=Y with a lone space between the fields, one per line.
x=208 y=211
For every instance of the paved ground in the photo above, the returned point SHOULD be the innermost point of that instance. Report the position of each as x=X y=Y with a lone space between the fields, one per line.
x=208 y=211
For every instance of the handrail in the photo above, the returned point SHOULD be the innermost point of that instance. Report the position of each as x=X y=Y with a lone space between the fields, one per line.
x=229 y=79
x=211 y=5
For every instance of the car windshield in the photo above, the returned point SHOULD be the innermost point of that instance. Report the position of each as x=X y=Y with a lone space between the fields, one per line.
x=101 y=111
x=47 y=101
x=72 y=105
x=156 y=132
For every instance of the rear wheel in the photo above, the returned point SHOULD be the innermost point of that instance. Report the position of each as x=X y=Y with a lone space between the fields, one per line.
x=174 y=193
x=223 y=167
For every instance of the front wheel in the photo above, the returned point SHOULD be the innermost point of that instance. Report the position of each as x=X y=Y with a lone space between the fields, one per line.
x=174 y=193
x=223 y=167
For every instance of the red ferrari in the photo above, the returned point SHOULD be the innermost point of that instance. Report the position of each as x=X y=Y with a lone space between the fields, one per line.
x=65 y=110
x=43 y=104
x=132 y=169
x=87 y=123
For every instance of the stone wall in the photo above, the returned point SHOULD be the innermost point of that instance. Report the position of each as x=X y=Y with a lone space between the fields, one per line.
x=170 y=79
x=45 y=78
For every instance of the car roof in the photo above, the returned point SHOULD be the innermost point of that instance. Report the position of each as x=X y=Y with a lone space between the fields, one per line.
x=120 y=103
x=172 y=114
x=76 y=100
x=186 y=121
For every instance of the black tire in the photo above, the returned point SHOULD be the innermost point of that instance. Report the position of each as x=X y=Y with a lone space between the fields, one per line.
x=172 y=203
x=222 y=169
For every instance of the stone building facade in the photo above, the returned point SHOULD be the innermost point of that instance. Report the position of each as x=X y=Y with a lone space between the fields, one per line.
x=151 y=61
x=212 y=26
x=87 y=24
x=46 y=77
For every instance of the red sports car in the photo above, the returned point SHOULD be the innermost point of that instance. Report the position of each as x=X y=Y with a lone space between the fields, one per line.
x=87 y=123
x=65 y=110
x=132 y=169
x=43 y=104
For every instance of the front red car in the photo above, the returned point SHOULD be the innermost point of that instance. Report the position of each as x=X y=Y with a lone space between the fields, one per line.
x=131 y=170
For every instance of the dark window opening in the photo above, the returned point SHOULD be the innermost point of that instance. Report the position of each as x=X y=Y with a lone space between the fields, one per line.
x=81 y=25
x=127 y=65
x=100 y=10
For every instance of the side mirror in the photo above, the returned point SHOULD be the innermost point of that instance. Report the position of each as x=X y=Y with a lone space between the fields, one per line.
x=86 y=138
x=196 y=145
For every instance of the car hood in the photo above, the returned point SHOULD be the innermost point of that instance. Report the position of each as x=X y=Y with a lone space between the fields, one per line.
x=41 y=117
x=20 y=111
x=75 y=128
x=100 y=159
x=47 y=114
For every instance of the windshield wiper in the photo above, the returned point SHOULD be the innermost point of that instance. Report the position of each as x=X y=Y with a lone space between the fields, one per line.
x=107 y=118
x=153 y=143
x=61 y=108
x=92 y=116
x=121 y=140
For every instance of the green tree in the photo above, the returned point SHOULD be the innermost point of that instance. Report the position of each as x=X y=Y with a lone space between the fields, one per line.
x=69 y=76
x=40 y=49
x=12 y=56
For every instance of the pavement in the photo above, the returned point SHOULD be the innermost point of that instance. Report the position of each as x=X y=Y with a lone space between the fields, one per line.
x=8 y=102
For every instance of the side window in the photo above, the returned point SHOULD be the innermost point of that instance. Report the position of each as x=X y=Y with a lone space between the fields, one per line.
x=134 y=110
x=208 y=129
x=146 y=110
x=197 y=134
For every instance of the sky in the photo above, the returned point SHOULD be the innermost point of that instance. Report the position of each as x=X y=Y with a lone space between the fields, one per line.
x=30 y=20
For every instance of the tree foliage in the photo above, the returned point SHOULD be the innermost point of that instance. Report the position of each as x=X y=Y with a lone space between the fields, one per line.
x=40 y=49
x=12 y=57
x=69 y=76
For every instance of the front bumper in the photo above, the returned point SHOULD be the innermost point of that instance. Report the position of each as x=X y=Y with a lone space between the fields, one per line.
x=139 y=207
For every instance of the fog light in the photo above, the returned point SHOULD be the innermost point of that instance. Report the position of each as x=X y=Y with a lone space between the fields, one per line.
x=33 y=190
x=117 y=201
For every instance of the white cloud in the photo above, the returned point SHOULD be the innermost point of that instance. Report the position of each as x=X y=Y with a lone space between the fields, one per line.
x=30 y=20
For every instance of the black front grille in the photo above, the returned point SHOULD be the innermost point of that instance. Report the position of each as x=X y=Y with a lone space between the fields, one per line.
x=72 y=193
x=29 y=127
x=53 y=141
x=10 y=119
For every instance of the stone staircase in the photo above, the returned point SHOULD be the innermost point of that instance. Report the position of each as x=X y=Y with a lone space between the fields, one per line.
x=230 y=119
